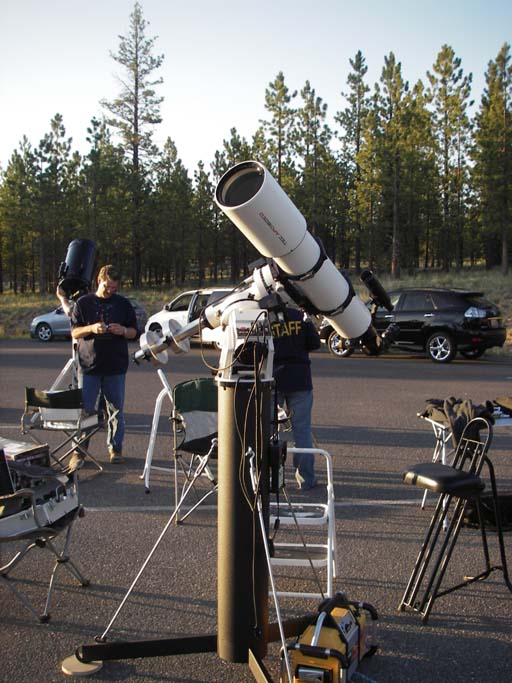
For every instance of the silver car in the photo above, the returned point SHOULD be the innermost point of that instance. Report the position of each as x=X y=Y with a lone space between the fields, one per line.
x=56 y=323
x=49 y=325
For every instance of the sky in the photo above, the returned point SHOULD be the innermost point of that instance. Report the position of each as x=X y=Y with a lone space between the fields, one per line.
x=55 y=57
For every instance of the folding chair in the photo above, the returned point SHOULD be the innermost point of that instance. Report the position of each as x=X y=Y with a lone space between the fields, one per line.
x=194 y=423
x=37 y=504
x=194 y=431
x=60 y=411
x=456 y=486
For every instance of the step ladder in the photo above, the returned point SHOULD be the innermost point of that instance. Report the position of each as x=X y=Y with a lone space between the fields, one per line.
x=308 y=517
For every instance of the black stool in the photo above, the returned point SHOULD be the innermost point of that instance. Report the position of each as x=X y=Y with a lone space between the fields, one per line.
x=456 y=485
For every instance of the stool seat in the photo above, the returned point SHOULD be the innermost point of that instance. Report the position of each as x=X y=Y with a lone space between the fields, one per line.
x=439 y=478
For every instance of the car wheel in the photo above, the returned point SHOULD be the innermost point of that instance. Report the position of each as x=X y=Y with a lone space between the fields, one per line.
x=44 y=332
x=339 y=346
x=441 y=348
x=472 y=354
x=155 y=327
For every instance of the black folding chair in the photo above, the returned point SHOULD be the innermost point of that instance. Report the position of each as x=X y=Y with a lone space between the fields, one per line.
x=60 y=411
x=456 y=485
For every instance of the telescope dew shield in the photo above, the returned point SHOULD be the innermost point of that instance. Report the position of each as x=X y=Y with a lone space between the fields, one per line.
x=253 y=200
x=75 y=273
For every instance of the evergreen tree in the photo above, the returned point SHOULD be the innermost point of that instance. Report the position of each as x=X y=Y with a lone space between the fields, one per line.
x=18 y=235
x=450 y=91
x=202 y=216
x=278 y=129
x=493 y=154
x=236 y=149
x=352 y=120
x=420 y=181
x=385 y=136
x=106 y=200
x=173 y=221
x=55 y=223
x=134 y=113
x=310 y=142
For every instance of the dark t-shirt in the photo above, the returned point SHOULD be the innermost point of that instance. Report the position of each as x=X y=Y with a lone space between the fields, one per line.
x=293 y=339
x=103 y=354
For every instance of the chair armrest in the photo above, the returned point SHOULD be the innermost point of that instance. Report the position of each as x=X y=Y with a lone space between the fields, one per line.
x=23 y=495
x=30 y=419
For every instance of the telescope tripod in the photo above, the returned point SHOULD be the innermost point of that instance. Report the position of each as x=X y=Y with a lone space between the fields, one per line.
x=72 y=369
x=243 y=631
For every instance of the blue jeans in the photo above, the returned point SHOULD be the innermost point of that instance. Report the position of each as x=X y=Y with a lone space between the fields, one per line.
x=300 y=404
x=112 y=388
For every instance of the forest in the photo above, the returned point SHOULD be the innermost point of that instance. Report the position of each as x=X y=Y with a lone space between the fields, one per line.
x=405 y=180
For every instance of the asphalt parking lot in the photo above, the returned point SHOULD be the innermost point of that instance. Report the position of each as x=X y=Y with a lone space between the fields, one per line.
x=365 y=416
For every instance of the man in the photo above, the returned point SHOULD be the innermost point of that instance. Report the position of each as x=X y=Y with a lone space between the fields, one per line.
x=101 y=324
x=294 y=337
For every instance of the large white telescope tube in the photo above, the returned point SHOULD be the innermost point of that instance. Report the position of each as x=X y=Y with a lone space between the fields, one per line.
x=258 y=206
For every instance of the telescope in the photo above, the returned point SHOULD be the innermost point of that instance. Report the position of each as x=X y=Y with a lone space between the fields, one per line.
x=378 y=294
x=75 y=272
x=297 y=267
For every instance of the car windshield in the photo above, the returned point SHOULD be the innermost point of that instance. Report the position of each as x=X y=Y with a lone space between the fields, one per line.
x=217 y=296
x=181 y=303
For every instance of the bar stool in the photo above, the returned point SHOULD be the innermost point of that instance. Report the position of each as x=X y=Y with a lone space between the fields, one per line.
x=456 y=485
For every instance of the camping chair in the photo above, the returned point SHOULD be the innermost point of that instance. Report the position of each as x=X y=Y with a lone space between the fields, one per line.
x=457 y=486
x=60 y=411
x=194 y=425
x=37 y=504
x=194 y=431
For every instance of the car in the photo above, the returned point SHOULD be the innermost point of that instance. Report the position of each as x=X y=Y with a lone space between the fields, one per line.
x=439 y=321
x=49 y=325
x=185 y=308
x=56 y=323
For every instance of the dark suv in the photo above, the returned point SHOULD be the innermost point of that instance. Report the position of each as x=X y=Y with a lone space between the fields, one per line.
x=438 y=321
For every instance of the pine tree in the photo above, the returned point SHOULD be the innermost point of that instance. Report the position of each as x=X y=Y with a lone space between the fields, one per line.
x=310 y=143
x=493 y=153
x=235 y=150
x=450 y=91
x=352 y=121
x=134 y=113
x=278 y=129
x=202 y=218
x=18 y=220
x=56 y=166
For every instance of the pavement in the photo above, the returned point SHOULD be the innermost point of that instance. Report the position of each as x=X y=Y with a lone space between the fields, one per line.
x=379 y=525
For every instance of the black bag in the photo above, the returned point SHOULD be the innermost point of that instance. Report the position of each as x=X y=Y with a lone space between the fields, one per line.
x=505 y=403
x=505 y=509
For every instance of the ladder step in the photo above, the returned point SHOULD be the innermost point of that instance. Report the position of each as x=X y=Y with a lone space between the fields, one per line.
x=308 y=514
x=295 y=554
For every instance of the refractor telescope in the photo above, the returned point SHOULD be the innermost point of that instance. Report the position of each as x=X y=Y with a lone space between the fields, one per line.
x=297 y=267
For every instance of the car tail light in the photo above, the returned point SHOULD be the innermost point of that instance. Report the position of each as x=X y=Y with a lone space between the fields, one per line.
x=474 y=312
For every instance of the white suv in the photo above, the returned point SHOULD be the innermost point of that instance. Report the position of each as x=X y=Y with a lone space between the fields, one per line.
x=187 y=307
